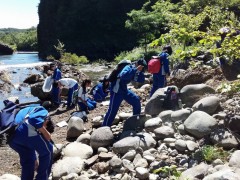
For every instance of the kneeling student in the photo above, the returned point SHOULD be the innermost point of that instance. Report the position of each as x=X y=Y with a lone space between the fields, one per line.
x=101 y=90
x=85 y=103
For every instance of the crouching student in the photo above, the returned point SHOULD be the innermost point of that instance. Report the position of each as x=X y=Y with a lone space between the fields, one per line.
x=85 y=103
x=101 y=90
x=120 y=92
x=30 y=137
x=71 y=85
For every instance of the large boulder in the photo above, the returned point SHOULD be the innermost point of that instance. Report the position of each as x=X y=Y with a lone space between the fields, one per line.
x=208 y=104
x=36 y=90
x=101 y=137
x=33 y=78
x=66 y=166
x=143 y=140
x=5 y=82
x=75 y=127
x=77 y=149
x=154 y=104
x=224 y=139
x=199 y=124
x=196 y=172
x=191 y=93
x=5 y=49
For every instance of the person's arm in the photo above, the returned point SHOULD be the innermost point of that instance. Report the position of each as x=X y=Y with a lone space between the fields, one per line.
x=45 y=133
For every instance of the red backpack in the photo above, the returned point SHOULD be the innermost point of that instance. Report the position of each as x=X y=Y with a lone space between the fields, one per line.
x=154 y=65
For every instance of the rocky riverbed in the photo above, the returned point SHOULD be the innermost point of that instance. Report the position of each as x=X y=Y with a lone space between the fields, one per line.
x=197 y=141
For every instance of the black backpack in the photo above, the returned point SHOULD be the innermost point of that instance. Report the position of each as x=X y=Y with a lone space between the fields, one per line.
x=113 y=75
x=171 y=99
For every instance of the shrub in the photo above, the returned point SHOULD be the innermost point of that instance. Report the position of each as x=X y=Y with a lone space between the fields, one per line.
x=211 y=153
x=73 y=59
x=137 y=53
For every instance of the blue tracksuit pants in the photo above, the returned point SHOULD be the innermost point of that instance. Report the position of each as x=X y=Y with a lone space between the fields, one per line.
x=70 y=94
x=159 y=81
x=91 y=104
x=26 y=147
x=55 y=95
x=115 y=101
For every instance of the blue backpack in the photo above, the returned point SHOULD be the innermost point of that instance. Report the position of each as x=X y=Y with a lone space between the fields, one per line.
x=7 y=119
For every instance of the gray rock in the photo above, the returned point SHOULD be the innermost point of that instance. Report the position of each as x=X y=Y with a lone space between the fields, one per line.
x=199 y=124
x=180 y=115
x=142 y=173
x=191 y=93
x=154 y=104
x=129 y=155
x=143 y=140
x=101 y=137
x=66 y=166
x=180 y=145
x=115 y=162
x=208 y=104
x=235 y=160
x=76 y=149
x=224 y=139
x=192 y=146
x=75 y=127
x=166 y=115
x=199 y=171
x=9 y=177
x=152 y=124
x=225 y=174
x=84 y=138
x=164 y=132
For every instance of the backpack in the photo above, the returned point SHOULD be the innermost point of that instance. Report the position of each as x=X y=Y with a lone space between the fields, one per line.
x=154 y=65
x=7 y=119
x=114 y=74
x=171 y=100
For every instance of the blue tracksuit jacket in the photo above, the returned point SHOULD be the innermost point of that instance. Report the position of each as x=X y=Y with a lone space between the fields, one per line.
x=55 y=90
x=159 y=79
x=120 y=92
x=26 y=141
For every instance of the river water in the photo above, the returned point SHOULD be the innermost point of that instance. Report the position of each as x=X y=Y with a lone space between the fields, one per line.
x=20 y=65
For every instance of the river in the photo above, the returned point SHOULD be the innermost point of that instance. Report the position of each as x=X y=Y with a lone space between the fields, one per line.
x=20 y=65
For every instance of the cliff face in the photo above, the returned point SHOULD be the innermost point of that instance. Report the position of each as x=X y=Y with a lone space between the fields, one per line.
x=94 y=28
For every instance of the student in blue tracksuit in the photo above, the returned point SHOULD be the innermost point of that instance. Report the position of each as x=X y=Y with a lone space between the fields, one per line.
x=159 y=79
x=71 y=85
x=120 y=92
x=32 y=137
x=101 y=90
x=84 y=101
x=55 y=89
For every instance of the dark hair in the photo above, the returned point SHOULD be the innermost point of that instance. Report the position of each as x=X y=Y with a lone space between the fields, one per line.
x=168 y=49
x=52 y=65
x=84 y=82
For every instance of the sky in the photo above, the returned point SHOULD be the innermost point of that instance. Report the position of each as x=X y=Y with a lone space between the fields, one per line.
x=20 y=14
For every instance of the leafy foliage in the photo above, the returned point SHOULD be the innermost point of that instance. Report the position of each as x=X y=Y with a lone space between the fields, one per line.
x=20 y=39
x=168 y=171
x=73 y=59
x=229 y=88
x=137 y=53
x=210 y=153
